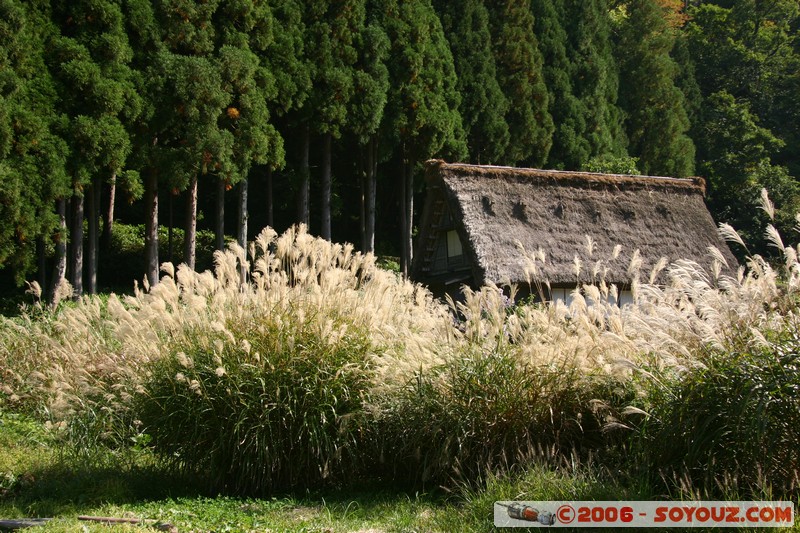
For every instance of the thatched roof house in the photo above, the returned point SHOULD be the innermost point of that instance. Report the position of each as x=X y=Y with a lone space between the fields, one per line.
x=478 y=219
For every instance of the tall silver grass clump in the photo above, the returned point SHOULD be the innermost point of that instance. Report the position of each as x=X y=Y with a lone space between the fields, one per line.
x=319 y=364
x=520 y=384
x=730 y=425
x=258 y=383
x=520 y=379
x=265 y=384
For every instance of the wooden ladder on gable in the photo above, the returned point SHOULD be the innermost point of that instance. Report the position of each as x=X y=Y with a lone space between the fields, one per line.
x=439 y=206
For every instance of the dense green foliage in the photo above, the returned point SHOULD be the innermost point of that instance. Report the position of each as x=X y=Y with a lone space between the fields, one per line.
x=519 y=72
x=746 y=65
x=655 y=117
x=422 y=117
x=569 y=149
x=732 y=420
x=594 y=74
x=267 y=415
x=338 y=103
x=484 y=412
x=483 y=105
x=33 y=155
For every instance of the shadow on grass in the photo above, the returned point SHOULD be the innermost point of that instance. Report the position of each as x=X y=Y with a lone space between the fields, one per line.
x=66 y=492
x=62 y=488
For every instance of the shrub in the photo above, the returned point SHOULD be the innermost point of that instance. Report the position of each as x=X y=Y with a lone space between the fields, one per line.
x=124 y=263
x=486 y=413
x=270 y=403
x=731 y=426
x=326 y=324
x=502 y=397
x=613 y=165
x=262 y=385
x=319 y=362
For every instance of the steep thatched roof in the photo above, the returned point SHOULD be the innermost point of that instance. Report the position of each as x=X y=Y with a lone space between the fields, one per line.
x=495 y=210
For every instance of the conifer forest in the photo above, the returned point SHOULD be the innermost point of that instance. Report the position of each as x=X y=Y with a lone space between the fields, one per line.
x=170 y=127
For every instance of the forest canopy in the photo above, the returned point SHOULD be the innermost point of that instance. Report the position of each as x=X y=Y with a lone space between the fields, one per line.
x=227 y=116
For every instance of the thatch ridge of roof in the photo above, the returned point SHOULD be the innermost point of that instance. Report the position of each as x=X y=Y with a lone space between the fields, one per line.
x=572 y=178
x=568 y=215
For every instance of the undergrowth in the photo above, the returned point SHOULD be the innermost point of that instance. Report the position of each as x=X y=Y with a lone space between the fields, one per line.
x=300 y=363
x=731 y=426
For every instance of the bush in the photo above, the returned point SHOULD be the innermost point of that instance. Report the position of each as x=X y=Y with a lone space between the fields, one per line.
x=262 y=386
x=303 y=342
x=487 y=413
x=500 y=400
x=613 y=165
x=320 y=364
x=731 y=426
x=276 y=408
x=124 y=262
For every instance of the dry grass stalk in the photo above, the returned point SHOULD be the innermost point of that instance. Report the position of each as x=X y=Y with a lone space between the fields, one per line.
x=100 y=352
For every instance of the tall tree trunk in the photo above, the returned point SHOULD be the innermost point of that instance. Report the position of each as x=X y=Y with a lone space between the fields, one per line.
x=243 y=216
x=362 y=185
x=190 y=231
x=270 y=201
x=60 y=266
x=403 y=268
x=371 y=192
x=41 y=260
x=98 y=202
x=170 y=229
x=407 y=217
x=108 y=214
x=93 y=207
x=151 y=228
x=325 y=231
x=220 y=228
x=305 y=178
x=76 y=245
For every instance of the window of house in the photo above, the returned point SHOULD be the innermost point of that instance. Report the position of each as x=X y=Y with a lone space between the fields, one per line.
x=625 y=297
x=565 y=295
x=453 y=244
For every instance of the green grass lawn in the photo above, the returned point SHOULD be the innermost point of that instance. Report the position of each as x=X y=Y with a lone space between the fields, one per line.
x=309 y=514
x=37 y=479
